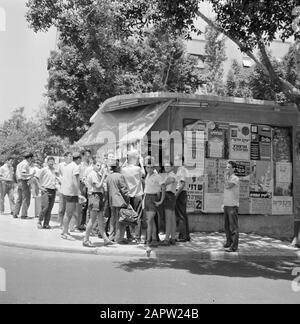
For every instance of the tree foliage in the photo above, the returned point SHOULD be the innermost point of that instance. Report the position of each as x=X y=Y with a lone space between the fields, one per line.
x=254 y=83
x=215 y=57
x=100 y=55
x=249 y=24
x=19 y=135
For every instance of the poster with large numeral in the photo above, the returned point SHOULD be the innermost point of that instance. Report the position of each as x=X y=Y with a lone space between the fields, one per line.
x=240 y=142
x=195 y=195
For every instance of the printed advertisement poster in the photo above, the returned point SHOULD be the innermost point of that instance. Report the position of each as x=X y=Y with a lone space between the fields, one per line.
x=215 y=170
x=255 y=151
x=243 y=168
x=195 y=196
x=261 y=177
x=282 y=145
x=282 y=205
x=261 y=187
x=211 y=169
x=194 y=148
x=217 y=140
x=265 y=142
x=261 y=206
x=284 y=179
x=213 y=202
x=244 y=196
x=240 y=142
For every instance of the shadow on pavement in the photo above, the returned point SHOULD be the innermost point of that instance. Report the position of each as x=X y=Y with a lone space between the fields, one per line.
x=249 y=268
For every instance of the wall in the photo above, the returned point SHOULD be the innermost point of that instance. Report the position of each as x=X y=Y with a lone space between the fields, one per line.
x=274 y=226
x=280 y=227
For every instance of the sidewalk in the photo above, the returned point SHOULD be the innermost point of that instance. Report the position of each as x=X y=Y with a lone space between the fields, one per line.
x=24 y=234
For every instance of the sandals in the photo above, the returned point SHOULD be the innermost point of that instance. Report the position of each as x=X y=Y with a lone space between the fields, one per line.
x=67 y=237
x=88 y=244
x=106 y=243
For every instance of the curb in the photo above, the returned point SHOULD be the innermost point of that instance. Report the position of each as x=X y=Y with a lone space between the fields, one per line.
x=155 y=253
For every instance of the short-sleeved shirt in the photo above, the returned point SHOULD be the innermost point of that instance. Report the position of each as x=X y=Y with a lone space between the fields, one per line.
x=133 y=175
x=232 y=196
x=93 y=182
x=84 y=170
x=182 y=175
x=70 y=184
x=61 y=166
x=7 y=173
x=153 y=184
x=171 y=187
x=47 y=178
x=22 y=168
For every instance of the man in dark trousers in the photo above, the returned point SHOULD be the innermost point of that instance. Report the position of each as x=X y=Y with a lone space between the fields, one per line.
x=24 y=175
x=231 y=208
x=118 y=196
x=47 y=180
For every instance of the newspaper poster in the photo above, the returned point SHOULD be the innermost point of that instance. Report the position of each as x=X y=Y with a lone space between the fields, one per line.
x=282 y=145
x=283 y=179
x=265 y=142
x=211 y=169
x=195 y=195
x=194 y=148
x=282 y=206
x=244 y=196
x=261 y=206
x=261 y=187
x=217 y=140
x=261 y=177
x=240 y=142
x=243 y=168
x=255 y=152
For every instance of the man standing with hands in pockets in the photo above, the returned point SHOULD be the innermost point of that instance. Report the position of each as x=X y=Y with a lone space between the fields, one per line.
x=231 y=208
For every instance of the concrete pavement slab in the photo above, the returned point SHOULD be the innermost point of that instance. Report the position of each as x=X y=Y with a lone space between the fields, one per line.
x=25 y=234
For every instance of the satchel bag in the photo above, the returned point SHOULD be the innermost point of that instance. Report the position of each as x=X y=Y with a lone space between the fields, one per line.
x=128 y=216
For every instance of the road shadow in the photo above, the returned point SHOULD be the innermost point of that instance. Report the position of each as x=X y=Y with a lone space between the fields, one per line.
x=275 y=269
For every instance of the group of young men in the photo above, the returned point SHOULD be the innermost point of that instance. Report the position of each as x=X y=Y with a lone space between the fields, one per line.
x=93 y=192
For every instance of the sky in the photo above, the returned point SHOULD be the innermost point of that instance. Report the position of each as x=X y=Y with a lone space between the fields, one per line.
x=23 y=61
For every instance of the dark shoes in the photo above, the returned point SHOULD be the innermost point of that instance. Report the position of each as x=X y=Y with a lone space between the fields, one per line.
x=231 y=250
x=227 y=246
x=47 y=227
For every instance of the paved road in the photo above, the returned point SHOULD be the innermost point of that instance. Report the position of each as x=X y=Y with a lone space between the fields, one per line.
x=49 y=277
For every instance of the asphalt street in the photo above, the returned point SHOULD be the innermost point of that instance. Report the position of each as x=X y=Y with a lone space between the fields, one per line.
x=51 y=277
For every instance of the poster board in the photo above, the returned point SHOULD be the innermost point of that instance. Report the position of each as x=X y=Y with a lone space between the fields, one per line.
x=240 y=141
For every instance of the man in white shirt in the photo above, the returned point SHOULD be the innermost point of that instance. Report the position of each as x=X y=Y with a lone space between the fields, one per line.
x=68 y=158
x=7 y=185
x=47 y=179
x=24 y=175
x=71 y=190
x=181 y=201
x=85 y=168
x=231 y=208
x=134 y=177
